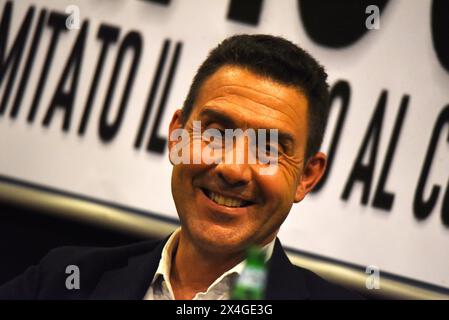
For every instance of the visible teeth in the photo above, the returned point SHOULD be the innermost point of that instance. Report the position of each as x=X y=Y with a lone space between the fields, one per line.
x=225 y=201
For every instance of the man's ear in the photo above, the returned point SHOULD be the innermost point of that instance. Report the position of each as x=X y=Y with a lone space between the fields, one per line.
x=175 y=123
x=312 y=173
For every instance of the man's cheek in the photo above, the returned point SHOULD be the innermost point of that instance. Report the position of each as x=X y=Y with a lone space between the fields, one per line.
x=273 y=186
x=191 y=169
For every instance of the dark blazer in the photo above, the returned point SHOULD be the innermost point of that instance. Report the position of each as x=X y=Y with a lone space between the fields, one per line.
x=126 y=272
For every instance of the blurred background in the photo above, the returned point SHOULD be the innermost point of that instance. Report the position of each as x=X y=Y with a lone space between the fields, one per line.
x=88 y=87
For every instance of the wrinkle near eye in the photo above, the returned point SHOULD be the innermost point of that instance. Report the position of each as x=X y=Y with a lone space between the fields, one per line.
x=292 y=168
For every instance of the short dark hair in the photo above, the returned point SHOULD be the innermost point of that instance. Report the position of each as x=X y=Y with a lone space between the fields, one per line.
x=280 y=60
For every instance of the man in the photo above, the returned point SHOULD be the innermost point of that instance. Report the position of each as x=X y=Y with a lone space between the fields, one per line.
x=249 y=82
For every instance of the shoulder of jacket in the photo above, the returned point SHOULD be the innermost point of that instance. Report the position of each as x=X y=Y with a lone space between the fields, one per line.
x=320 y=288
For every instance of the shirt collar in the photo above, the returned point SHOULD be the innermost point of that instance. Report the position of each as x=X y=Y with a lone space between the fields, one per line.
x=164 y=267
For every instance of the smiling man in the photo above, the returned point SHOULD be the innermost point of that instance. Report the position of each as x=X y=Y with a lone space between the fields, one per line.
x=247 y=83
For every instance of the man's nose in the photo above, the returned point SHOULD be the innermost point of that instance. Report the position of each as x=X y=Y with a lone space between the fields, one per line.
x=234 y=175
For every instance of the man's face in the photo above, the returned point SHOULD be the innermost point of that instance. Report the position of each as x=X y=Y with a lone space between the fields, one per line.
x=231 y=98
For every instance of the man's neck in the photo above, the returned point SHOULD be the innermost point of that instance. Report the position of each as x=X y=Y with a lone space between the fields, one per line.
x=194 y=270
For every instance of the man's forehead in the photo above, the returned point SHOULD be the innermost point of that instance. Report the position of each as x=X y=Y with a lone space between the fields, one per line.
x=236 y=90
x=236 y=79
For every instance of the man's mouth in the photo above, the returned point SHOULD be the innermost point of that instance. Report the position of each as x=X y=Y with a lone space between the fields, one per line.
x=225 y=200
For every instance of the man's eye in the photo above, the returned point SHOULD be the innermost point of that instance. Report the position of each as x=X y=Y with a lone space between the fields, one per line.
x=269 y=153
x=215 y=142
x=214 y=137
x=272 y=149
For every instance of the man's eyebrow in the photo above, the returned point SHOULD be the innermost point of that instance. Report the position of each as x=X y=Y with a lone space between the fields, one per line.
x=218 y=117
x=222 y=118
x=286 y=138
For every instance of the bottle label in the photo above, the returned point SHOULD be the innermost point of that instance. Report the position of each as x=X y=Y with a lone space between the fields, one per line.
x=253 y=278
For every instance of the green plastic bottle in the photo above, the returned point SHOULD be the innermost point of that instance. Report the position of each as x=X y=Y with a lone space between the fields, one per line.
x=250 y=285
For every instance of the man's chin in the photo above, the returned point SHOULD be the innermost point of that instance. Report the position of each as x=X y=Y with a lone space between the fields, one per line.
x=218 y=239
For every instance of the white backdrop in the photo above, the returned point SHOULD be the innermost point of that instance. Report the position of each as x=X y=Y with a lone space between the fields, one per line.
x=399 y=58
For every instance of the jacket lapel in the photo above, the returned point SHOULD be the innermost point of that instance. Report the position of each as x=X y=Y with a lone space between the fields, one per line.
x=285 y=281
x=132 y=281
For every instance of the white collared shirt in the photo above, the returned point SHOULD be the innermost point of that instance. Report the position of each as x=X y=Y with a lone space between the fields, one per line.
x=160 y=288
